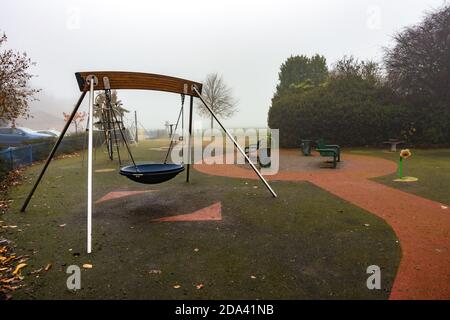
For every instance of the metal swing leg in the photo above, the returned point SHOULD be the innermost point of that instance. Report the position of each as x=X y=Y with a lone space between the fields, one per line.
x=189 y=151
x=52 y=153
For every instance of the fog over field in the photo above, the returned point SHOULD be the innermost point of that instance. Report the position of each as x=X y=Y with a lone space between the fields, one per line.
x=245 y=41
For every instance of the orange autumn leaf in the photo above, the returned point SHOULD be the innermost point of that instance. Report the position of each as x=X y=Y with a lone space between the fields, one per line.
x=19 y=267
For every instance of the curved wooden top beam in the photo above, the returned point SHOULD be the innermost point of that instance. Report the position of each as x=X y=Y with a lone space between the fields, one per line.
x=138 y=80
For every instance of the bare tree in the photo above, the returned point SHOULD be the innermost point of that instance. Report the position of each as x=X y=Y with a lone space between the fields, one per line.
x=219 y=97
x=15 y=92
x=418 y=65
x=77 y=119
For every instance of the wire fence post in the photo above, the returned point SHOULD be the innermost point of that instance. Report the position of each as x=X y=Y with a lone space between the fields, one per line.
x=11 y=158
x=31 y=153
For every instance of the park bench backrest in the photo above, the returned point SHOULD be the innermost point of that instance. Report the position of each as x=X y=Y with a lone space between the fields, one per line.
x=320 y=144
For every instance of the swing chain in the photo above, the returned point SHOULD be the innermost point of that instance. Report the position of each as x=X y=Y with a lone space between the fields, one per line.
x=180 y=115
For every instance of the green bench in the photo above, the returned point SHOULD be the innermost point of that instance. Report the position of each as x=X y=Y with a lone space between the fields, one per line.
x=329 y=150
x=262 y=154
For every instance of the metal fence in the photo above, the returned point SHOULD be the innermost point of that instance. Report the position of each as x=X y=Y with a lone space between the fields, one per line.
x=14 y=157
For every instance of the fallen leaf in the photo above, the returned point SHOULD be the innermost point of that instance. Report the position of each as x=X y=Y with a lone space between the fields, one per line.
x=22 y=260
x=87 y=266
x=155 y=271
x=11 y=288
x=7 y=280
x=19 y=267
x=9 y=259
x=36 y=271
x=199 y=286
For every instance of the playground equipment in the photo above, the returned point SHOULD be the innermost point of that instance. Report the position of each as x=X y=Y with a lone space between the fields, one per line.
x=110 y=121
x=110 y=116
x=329 y=150
x=404 y=154
x=143 y=173
x=151 y=173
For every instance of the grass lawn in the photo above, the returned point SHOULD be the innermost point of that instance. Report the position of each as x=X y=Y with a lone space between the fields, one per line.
x=431 y=166
x=305 y=244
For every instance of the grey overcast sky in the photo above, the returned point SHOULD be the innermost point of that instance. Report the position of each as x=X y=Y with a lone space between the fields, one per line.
x=245 y=41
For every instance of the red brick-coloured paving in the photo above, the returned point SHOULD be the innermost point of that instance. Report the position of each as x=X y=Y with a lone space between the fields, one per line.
x=210 y=213
x=120 y=194
x=421 y=225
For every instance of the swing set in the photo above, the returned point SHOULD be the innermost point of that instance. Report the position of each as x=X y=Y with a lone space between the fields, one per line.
x=149 y=173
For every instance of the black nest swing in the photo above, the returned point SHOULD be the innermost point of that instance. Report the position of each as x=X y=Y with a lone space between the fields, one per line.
x=153 y=173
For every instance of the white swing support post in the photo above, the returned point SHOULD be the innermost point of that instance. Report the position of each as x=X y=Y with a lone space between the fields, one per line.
x=92 y=82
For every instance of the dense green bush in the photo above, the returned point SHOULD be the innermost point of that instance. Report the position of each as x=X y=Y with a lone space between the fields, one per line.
x=354 y=107
x=355 y=104
x=352 y=119
x=301 y=72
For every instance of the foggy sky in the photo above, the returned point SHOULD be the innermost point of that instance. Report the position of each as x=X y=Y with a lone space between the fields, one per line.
x=245 y=41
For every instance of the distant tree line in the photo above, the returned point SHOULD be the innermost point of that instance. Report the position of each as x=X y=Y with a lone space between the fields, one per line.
x=359 y=103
